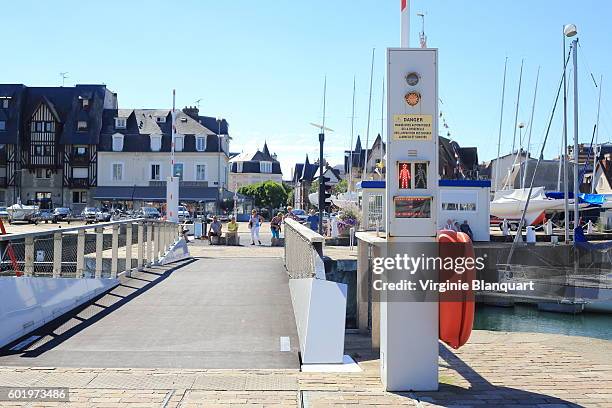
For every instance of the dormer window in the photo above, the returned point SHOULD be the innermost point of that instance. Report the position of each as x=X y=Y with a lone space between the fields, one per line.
x=5 y=103
x=200 y=143
x=179 y=143
x=239 y=167
x=120 y=123
x=161 y=119
x=82 y=125
x=85 y=103
x=2 y=125
x=155 y=143
x=117 y=142
x=265 y=167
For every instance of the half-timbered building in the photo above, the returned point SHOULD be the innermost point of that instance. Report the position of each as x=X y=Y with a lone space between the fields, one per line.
x=48 y=143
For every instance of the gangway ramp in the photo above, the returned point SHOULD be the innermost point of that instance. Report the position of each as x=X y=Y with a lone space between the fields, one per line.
x=212 y=313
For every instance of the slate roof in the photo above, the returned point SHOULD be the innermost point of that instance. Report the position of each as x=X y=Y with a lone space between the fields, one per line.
x=211 y=123
x=251 y=159
x=141 y=123
x=66 y=105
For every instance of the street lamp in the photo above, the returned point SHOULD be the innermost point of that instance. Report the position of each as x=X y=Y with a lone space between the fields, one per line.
x=219 y=185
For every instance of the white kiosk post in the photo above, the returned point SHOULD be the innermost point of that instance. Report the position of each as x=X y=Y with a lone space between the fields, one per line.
x=409 y=328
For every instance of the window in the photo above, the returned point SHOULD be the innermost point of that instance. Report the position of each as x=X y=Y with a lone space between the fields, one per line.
x=39 y=126
x=5 y=103
x=117 y=172
x=49 y=126
x=178 y=171
x=161 y=119
x=43 y=173
x=38 y=150
x=155 y=172
x=239 y=167
x=179 y=142
x=81 y=125
x=43 y=150
x=117 y=142
x=120 y=123
x=155 y=143
x=79 y=197
x=85 y=102
x=80 y=151
x=2 y=125
x=200 y=172
x=80 y=172
x=265 y=167
x=200 y=143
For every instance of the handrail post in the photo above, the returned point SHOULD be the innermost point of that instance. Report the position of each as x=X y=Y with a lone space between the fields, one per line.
x=57 y=254
x=115 y=252
x=162 y=239
x=156 y=242
x=149 y=243
x=128 y=248
x=28 y=269
x=140 y=245
x=99 y=249
x=80 y=265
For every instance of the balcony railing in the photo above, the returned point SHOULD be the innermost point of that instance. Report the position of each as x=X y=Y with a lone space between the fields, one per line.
x=78 y=183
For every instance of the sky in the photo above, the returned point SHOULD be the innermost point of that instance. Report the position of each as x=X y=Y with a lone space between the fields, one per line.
x=261 y=65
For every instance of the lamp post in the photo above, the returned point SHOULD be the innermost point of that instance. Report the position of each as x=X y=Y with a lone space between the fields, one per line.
x=569 y=30
x=219 y=185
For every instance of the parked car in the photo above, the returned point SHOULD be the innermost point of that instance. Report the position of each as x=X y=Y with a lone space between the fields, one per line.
x=62 y=214
x=183 y=213
x=149 y=212
x=46 y=216
x=103 y=215
x=3 y=213
x=90 y=215
x=300 y=215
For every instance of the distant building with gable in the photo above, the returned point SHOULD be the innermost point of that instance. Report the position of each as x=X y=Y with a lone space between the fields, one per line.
x=254 y=167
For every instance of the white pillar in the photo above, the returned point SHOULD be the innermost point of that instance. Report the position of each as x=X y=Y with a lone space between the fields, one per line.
x=57 y=254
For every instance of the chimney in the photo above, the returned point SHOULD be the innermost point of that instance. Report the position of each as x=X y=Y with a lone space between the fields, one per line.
x=192 y=111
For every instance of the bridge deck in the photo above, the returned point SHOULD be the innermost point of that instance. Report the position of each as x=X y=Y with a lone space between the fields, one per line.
x=209 y=313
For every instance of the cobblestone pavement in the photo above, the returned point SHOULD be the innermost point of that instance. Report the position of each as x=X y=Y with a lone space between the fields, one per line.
x=493 y=369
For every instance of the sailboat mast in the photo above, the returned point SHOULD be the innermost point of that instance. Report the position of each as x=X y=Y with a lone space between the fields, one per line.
x=382 y=124
x=595 y=153
x=535 y=93
x=501 y=120
x=350 y=186
x=518 y=99
x=365 y=164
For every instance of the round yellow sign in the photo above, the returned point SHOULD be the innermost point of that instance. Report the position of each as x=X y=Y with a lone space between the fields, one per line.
x=412 y=98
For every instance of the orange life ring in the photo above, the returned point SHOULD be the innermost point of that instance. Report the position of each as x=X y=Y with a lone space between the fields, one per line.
x=456 y=308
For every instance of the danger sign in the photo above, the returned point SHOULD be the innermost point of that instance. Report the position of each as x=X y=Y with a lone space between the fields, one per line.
x=412 y=127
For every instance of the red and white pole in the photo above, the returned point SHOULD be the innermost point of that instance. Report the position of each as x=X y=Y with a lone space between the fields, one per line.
x=405 y=24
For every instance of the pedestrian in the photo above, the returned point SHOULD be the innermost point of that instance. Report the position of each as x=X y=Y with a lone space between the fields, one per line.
x=290 y=214
x=275 y=225
x=465 y=228
x=313 y=220
x=254 y=224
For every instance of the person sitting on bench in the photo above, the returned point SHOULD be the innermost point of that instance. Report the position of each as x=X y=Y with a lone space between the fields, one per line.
x=215 y=229
x=232 y=232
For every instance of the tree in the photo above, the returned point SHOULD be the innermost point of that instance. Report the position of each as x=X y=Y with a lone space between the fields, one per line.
x=267 y=194
x=341 y=187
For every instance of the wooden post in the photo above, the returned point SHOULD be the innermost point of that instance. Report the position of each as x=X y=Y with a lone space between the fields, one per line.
x=99 y=248
x=57 y=254
x=128 y=248
x=80 y=264
x=156 y=237
x=28 y=269
x=140 y=244
x=149 y=243
x=115 y=252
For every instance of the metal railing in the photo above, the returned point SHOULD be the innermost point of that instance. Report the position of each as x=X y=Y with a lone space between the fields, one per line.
x=303 y=251
x=90 y=251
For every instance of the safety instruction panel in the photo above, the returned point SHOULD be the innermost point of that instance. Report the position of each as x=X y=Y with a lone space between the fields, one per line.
x=412 y=127
x=412 y=207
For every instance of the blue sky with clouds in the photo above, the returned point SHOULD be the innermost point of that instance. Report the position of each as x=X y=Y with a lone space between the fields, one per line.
x=261 y=64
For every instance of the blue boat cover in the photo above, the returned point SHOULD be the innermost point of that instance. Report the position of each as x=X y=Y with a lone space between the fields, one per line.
x=593 y=199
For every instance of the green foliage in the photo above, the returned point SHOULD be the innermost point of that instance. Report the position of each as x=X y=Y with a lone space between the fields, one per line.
x=314 y=187
x=267 y=194
x=341 y=187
